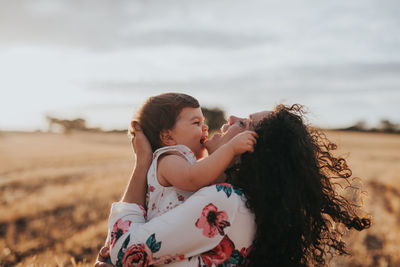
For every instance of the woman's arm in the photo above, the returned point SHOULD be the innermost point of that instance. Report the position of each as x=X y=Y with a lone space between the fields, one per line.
x=194 y=227
x=136 y=189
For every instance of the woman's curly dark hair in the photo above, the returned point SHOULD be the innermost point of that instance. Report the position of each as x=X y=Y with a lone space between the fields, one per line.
x=289 y=184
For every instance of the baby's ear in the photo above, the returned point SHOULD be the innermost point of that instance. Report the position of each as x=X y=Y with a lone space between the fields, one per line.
x=166 y=138
x=132 y=129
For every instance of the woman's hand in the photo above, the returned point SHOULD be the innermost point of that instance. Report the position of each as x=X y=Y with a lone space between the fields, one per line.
x=101 y=260
x=141 y=145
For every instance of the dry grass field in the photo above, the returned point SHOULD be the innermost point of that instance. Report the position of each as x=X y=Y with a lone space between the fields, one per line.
x=56 y=190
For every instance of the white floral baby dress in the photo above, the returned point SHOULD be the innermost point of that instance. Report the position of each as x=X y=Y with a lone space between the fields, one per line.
x=160 y=199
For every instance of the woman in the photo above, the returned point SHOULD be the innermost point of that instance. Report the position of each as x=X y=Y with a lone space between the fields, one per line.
x=289 y=211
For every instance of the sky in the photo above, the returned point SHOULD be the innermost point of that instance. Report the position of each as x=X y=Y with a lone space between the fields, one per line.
x=101 y=59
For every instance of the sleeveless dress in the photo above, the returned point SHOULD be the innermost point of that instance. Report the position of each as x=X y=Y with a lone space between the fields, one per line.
x=159 y=198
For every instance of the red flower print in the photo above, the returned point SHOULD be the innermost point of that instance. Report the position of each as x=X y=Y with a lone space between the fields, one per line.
x=212 y=221
x=152 y=188
x=136 y=255
x=144 y=212
x=220 y=254
x=181 y=198
x=120 y=227
x=153 y=207
x=245 y=254
x=245 y=251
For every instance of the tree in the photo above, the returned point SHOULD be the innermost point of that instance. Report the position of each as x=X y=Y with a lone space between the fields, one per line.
x=388 y=127
x=215 y=118
x=66 y=125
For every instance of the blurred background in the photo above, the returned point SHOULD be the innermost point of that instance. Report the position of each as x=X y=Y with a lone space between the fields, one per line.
x=91 y=64
x=101 y=59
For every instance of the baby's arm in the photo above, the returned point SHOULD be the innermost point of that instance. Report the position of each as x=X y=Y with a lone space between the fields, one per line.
x=176 y=171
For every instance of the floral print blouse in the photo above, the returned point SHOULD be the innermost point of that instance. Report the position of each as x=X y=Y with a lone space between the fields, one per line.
x=213 y=227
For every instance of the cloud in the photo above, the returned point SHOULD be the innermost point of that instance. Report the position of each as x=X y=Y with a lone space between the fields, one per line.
x=64 y=23
x=105 y=25
x=348 y=81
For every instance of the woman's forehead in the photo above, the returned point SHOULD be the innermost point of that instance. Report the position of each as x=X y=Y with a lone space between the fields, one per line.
x=258 y=116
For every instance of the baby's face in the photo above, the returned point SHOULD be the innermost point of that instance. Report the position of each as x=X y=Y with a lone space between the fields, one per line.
x=190 y=130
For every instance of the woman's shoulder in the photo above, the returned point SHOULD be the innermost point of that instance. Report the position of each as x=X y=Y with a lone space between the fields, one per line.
x=224 y=195
x=226 y=189
x=224 y=206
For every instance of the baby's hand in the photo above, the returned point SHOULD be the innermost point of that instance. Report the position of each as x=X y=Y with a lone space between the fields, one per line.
x=243 y=142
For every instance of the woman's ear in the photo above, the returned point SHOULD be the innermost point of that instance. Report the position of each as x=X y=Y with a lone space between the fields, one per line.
x=166 y=138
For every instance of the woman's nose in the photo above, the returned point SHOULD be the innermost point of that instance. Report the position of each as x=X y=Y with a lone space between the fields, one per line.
x=232 y=120
x=205 y=128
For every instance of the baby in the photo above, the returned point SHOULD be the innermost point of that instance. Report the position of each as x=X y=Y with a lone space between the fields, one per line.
x=174 y=125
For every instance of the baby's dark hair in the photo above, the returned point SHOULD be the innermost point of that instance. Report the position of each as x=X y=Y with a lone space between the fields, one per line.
x=160 y=113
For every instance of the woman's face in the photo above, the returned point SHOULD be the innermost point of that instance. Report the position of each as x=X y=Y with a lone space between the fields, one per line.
x=234 y=126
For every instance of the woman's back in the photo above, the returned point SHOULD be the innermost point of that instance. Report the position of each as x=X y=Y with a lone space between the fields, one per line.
x=288 y=182
x=212 y=227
